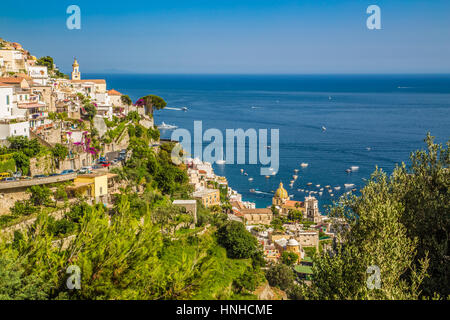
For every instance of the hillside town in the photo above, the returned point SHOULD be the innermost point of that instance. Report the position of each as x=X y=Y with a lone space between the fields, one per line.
x=88 y=120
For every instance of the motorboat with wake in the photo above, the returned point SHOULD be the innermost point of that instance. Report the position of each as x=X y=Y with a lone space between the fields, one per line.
x=165 y=126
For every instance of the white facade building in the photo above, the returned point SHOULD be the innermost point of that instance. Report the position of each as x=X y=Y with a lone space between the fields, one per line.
x=39 y=74
x=9 y=129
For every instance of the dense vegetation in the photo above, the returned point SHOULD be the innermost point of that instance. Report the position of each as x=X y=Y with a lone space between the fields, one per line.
x=399 y=224
x=145 y=248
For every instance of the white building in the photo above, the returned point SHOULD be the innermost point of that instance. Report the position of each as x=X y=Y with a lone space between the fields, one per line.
x=10 y=129
x=12 y=121
x=39 y=74
x=6 y=100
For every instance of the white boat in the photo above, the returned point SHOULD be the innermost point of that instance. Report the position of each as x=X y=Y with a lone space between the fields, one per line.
x=321 y=189
x=337 y=188
x=309 y=184
x=166 y=126
x=242 y=170
x=304 y=165
x=267 y=177
x=295 y=170
x=184 y=109
x=250 y=179
x=332 y=195
x=324 y=128
x=328 y=187
x=221 y=161
x=295 y=177
x=320 y=193
x=292 y=181
x=317 y=185
x=354 y=168
x=349 y=185
x=245 y=174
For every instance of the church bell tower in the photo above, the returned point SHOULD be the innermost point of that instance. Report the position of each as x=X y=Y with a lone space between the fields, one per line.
x=76 y=75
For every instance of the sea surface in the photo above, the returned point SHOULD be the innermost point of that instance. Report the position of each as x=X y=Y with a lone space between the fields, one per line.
x=370 y=120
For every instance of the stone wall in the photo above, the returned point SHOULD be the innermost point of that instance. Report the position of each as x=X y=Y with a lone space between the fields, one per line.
x=42 y=165
x=7 y=200
x=78 y=161
x=100 y=125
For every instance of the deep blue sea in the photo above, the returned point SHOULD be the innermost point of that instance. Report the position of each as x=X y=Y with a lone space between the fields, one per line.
x=370 y=120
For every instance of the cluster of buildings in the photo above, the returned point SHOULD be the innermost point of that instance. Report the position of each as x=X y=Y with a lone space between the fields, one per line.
x=205 y=183
x=29 y=93
x=295 y=236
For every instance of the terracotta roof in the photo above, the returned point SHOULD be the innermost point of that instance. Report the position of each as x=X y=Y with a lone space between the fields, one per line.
x=292 y=203
x=97 y=81
x=257 y=211
x=15 y=80
x=23 y=75
x=114 y=93
x=237 y=204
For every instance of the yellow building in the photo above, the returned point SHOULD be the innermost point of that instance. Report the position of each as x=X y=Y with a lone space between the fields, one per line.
x=92 y=186
x=283 y=203
x=76 y=75
x=208 y=197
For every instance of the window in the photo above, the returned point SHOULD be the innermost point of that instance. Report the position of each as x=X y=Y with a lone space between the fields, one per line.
x=101 y=190
x=7 y=100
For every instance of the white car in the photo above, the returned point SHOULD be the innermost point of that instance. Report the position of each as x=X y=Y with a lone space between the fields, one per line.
x=85 y=170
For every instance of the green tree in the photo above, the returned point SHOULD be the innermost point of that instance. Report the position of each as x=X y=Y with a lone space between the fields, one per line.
x=59 y=153
x=371 y=237
x=423 y=190
x=39 y=195
x=89 y=110
x=237 y=240
x=46 y=62
x=126 y=100
x=280 y=276
x=289 y=258
x=22 y=162
x=151 y=102
x=249 y=281
x=15 y=284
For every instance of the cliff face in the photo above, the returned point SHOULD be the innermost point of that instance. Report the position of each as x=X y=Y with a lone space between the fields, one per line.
x=266 y=292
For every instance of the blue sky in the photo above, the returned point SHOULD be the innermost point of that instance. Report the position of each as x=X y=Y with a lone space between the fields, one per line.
x=230 y=36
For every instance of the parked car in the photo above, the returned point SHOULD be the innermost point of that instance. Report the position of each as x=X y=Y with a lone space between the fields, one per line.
x=67 y=172
x=39 y=176
x=84 y=170
x=53 y=174
x=10 y=179
x=17 y=175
